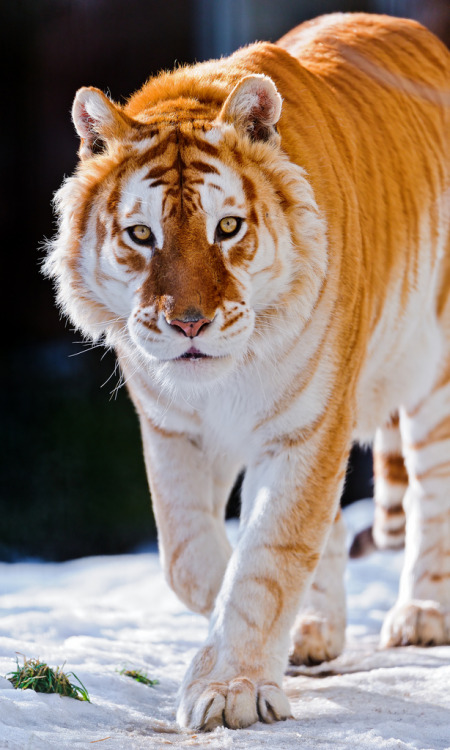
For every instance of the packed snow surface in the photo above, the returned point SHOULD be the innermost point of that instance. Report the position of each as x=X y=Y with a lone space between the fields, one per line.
x=100 y=614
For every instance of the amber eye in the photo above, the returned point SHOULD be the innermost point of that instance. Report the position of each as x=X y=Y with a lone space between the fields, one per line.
x=141 y=234
x=228 y=227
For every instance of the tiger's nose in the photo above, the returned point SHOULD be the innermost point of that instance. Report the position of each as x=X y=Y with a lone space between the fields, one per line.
x=191 y=327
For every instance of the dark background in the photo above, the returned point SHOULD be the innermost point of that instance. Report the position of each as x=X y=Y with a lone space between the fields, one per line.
x=72 y=478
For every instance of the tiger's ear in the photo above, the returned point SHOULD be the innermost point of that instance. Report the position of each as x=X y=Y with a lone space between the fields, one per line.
x=254 y=106
x=96 y=120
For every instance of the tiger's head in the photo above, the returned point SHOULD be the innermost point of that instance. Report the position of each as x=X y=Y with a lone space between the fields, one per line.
x=185 y=230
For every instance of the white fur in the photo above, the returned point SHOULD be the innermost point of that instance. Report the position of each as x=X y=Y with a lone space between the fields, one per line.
x=388 y=494
x=388 y=440
x=96 y=106
x=319 y=630
x=203 y=420
x=255 y=97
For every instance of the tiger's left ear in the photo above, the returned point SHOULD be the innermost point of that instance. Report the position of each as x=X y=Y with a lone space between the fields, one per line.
x=254 y=106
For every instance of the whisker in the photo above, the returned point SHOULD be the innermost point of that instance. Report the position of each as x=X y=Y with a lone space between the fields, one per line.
x=124 y=380
x=112 y=374
x=88 y=348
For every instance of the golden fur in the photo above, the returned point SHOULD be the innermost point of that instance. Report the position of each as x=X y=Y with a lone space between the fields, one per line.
x=325 y=314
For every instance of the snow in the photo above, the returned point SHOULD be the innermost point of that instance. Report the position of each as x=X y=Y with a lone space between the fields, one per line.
x=100 y=614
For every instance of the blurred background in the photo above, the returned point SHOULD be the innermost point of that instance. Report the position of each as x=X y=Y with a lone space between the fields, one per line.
x=72 y=478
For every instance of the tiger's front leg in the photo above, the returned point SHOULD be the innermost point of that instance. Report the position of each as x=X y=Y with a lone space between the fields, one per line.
x=235 y=679
x=189 y=497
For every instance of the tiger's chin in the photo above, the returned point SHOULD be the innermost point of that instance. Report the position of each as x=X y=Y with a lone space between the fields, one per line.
x=192 y=371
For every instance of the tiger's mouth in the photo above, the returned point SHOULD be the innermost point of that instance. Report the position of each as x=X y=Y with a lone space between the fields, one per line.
x=193 y=353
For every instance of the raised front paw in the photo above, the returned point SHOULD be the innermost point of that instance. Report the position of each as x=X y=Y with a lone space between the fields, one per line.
x=420 y=623
x=235 y=704
x=315 y=639
x=195 y=574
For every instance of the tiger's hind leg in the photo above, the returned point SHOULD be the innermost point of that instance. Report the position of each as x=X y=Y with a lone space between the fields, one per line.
x=319 y=630
x=422 y=612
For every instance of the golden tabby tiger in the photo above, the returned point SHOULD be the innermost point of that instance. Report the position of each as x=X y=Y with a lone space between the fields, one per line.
x=264 y=239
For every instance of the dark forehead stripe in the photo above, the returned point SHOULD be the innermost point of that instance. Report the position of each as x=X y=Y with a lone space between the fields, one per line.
x=158 y=176
x=206 y=147
x=183 y=165
x=143 y=132
x=186 y=139
x=147 y=157
x=190 y=201
x=156 y=183
x=157 y=172
x=201 y=166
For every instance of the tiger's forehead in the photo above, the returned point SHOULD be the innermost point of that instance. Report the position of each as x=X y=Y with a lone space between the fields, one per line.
x=183 y=168
x=163 y=134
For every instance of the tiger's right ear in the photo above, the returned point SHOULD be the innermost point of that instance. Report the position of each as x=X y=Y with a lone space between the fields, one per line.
x=254 y=106
x=96 y=120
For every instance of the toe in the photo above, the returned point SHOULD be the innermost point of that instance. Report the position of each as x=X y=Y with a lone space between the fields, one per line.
x=209 y=712
x=273 y=704
x=240 y=709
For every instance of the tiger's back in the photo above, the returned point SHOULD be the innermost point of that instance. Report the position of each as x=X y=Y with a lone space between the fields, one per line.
x=391 y=127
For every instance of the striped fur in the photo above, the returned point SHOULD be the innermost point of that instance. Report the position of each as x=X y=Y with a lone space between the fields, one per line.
x=391 y=482
x=273 y=345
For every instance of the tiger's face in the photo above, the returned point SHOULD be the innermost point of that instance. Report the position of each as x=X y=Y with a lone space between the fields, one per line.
x=188 y=252
x=180 y=239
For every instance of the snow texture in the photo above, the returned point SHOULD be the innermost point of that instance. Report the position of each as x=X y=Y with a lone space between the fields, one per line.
x=100 y=614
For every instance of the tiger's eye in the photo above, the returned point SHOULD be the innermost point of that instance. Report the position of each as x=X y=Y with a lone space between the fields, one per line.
x=228 y=225
x=140 y=234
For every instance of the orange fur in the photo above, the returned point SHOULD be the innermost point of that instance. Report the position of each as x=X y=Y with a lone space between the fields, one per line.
x=311 y=313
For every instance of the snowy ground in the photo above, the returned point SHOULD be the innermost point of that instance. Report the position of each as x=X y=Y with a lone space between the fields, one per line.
x=100 y=614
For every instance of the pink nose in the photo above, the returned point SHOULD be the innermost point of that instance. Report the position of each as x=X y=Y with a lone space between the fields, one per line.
x=190 y=328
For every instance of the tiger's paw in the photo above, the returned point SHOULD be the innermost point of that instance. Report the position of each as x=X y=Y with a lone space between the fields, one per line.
x=235 y=704
x=417 y=623
x=315 y=638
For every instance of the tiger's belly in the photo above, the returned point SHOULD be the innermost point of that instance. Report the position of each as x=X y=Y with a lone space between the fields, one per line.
x=400 y=370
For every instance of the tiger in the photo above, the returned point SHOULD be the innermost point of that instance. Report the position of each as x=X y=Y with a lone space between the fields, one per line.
x=263 y=240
